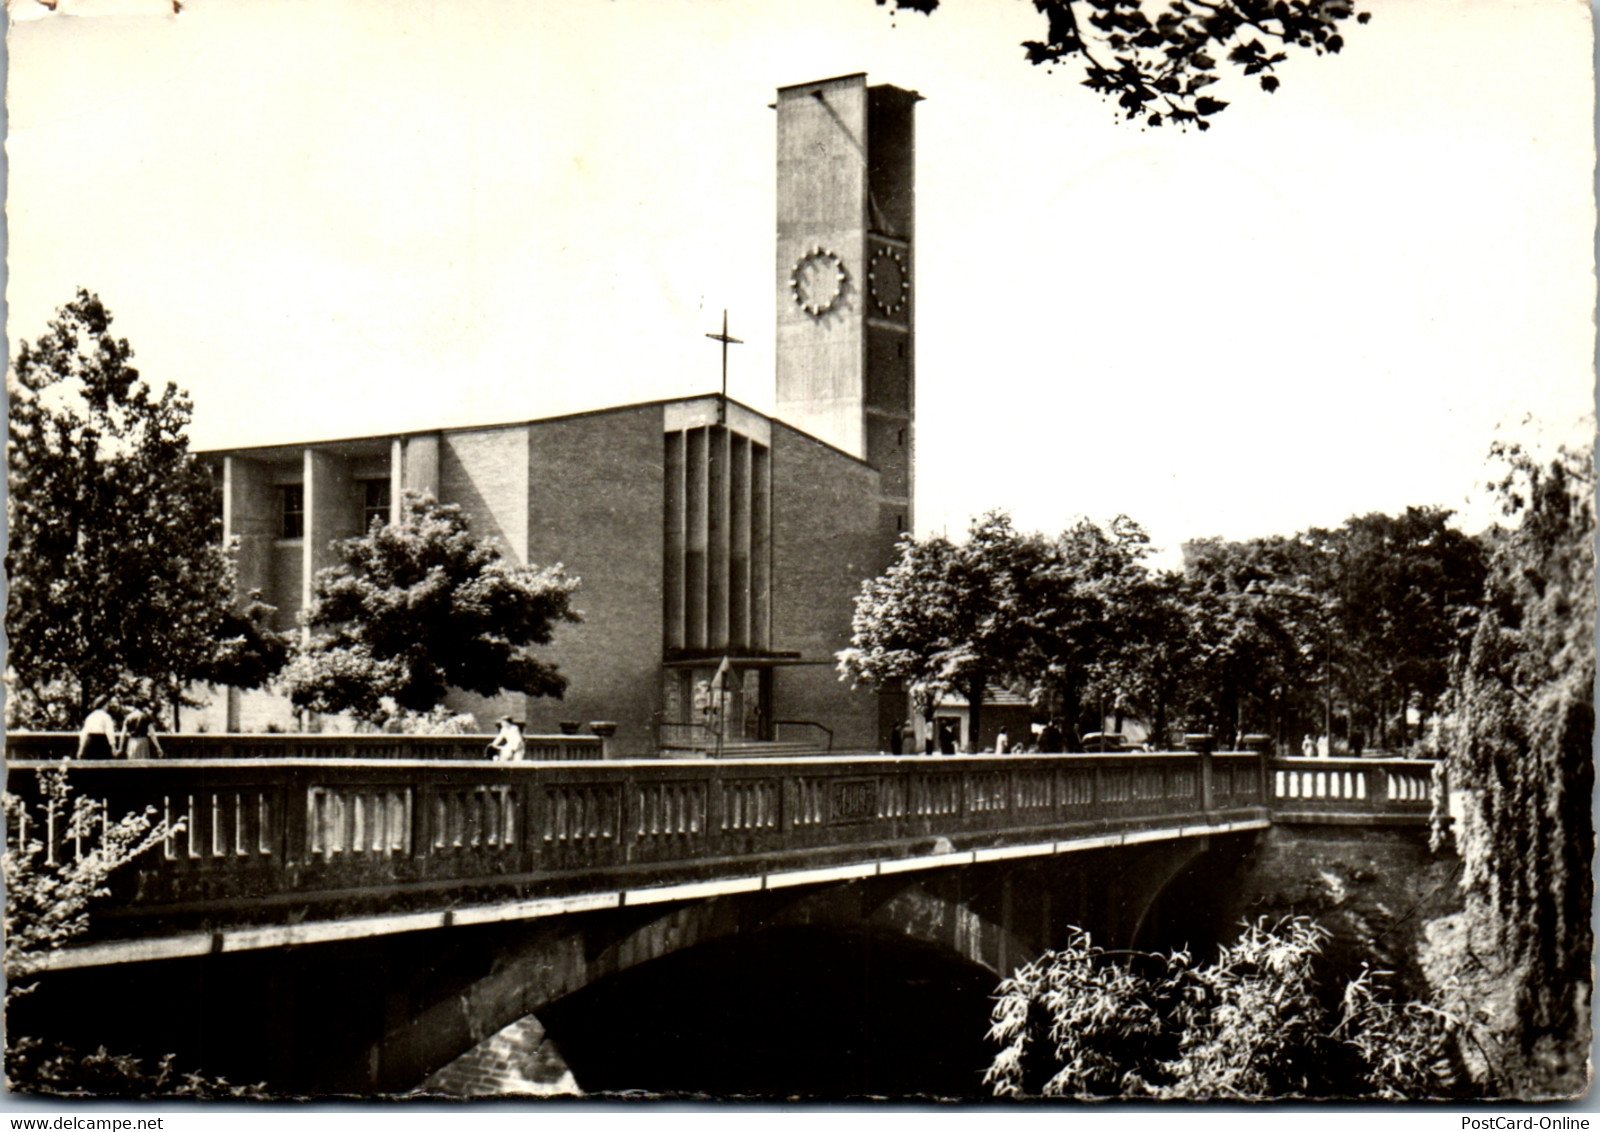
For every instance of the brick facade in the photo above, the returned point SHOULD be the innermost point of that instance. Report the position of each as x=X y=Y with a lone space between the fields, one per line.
x=826 y=541
x=705 y=535
x=593 y=499
x=588 y=492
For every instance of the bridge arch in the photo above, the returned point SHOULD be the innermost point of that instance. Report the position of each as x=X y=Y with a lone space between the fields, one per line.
x=372 y=918
x=1194 y=904
x=973 y=924
x=950 y=918
x=819 y=1010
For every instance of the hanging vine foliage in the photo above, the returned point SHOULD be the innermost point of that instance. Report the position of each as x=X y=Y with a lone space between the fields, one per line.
x=1524 y=750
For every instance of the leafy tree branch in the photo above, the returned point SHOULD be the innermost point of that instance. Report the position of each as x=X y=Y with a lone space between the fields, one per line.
x=1156 y=60
x=51 y=878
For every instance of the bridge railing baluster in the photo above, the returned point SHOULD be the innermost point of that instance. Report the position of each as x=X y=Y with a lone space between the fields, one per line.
x=300 y=828
x=1351 y=786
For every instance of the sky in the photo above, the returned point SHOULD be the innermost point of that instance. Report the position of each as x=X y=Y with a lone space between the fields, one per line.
x=339 y=219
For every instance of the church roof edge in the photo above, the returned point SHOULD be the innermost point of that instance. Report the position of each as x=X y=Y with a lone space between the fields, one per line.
x=222 y=450
x=862 y=75
x=368 y=438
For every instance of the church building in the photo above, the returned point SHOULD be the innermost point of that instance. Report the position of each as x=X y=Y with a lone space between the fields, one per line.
x=708 y=537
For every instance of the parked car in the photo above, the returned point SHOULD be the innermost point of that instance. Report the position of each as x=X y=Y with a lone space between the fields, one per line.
x=1109 y=741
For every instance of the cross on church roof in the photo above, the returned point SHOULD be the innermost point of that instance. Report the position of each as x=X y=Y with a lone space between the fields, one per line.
x=722 y=405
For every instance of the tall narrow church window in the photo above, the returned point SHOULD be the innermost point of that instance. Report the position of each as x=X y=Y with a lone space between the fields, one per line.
x=374 y=502
x=292 y=499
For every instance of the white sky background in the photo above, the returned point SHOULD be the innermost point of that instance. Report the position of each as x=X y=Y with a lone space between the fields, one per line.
x=346 y=218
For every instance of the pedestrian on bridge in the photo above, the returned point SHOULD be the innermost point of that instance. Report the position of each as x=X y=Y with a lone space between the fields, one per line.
x=138 y=739
x=97 y=739
x=509 y=746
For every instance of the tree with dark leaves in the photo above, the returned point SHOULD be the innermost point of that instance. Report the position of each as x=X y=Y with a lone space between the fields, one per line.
x=1088 y=614
x=1405 y=589
x=1157 y=60
x=421 y=606
x=1367 y=618
x=1256 y=651
x=945 y=617
x=120 y=585
x=1061 y=619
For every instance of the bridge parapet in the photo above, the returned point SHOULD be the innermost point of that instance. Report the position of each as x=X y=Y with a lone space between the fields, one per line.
x=273 y=841
x=272 y=851
x=43 y=745
x=1355 y=791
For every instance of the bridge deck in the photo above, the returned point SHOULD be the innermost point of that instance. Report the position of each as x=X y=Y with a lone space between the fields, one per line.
x=268 y=852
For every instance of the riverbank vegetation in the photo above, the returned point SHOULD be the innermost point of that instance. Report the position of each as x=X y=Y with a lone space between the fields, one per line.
x=1392 y=633
x=59 y=858
x=1262 y=1019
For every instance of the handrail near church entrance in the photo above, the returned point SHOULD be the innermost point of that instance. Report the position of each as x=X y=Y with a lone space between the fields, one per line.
x=822 y=727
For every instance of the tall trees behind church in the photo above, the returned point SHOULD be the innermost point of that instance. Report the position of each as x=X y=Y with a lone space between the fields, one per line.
x=420 y=606
x=119 y=583
x=1056 y=617
x=947 y=617
x=1350 y=632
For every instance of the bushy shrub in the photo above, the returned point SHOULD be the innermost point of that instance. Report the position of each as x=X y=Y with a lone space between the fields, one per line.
x=439 y=721
x=59 y=857
x=1255 y=1023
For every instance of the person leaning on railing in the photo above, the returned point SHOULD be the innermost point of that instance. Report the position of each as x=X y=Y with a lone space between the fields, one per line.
x=138 y=738
x=97 y=738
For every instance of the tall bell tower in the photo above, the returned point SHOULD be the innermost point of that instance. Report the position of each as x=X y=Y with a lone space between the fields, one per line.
x=845 y=259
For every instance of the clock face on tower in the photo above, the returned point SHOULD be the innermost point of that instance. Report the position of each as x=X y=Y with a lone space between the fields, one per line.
x=817 y=282
x=886 y=279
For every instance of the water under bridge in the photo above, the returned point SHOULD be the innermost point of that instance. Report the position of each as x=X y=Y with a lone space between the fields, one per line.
x=394 y=905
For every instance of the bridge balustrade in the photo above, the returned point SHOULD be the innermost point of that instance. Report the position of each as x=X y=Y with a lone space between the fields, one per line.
x=254 y=835
x=190 y=745
x=1309 y=788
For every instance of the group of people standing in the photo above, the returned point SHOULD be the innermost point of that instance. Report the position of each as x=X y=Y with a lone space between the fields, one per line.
x=138 y=736
x=942 y=735
x=940 y=738
x=1314 y=747
x=101 y=738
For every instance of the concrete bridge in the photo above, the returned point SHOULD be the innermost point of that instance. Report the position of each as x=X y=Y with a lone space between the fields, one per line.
x=432 y=904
